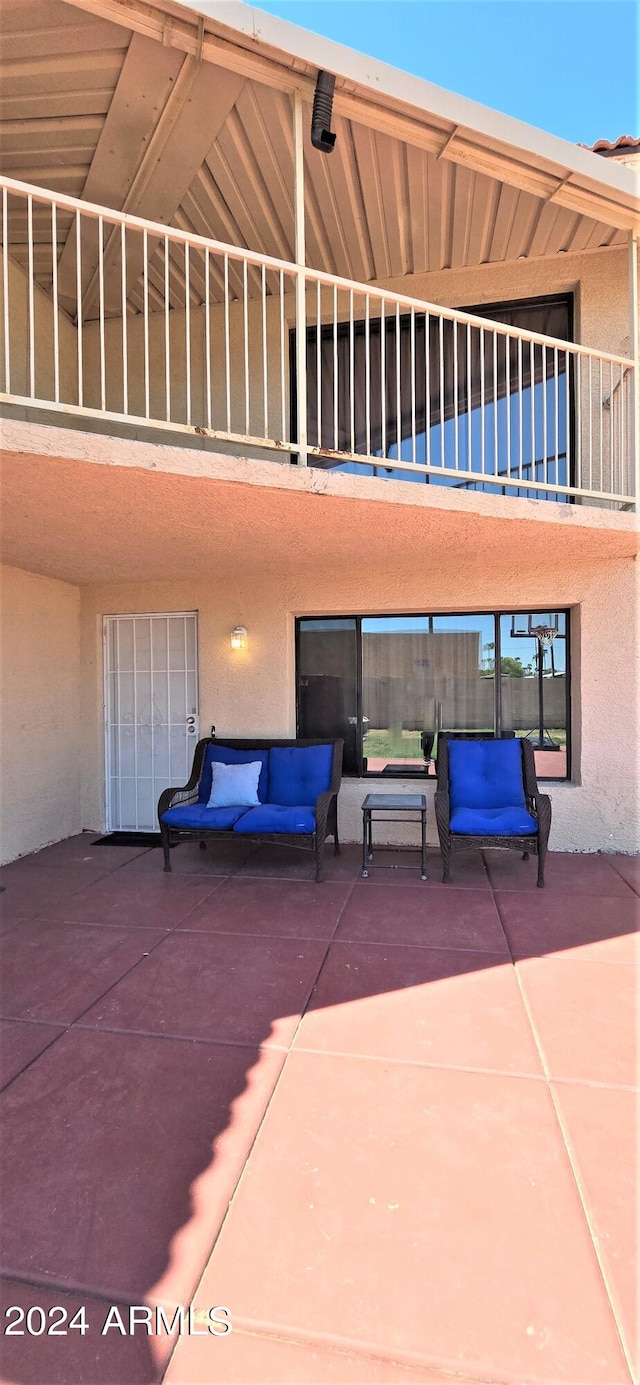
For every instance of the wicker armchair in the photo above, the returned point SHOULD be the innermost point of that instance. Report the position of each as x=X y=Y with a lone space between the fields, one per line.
x=488 y=796
x=196 y=822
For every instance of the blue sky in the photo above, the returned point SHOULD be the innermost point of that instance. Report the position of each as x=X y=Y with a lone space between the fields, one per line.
x=568 y=66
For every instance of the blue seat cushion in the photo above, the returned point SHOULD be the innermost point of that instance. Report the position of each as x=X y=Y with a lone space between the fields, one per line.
x=226 y=755
x=513 y=821
x=485 y=774
x=197 y=815
x=298 y=774
x=274 y=817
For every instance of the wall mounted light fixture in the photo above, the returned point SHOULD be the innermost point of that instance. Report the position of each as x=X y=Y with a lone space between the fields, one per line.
x=239 y=637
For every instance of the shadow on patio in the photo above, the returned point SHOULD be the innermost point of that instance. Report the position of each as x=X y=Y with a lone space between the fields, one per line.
x=418 y=1097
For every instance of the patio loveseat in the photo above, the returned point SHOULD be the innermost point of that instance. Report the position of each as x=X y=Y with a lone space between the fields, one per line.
x=295 y=802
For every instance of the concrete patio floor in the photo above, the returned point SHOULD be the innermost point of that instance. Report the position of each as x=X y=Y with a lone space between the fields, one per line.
x=389 y=1125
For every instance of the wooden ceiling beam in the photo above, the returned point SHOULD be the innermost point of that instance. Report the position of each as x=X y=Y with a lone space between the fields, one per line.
x=176 y=28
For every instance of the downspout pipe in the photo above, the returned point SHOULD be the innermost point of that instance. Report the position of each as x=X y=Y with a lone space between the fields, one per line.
x=322 y=137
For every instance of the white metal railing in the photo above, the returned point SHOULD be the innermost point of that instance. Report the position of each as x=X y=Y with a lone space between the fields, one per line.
x=125 y=321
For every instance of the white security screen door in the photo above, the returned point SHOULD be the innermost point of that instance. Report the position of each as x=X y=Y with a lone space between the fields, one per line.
x=151 y=712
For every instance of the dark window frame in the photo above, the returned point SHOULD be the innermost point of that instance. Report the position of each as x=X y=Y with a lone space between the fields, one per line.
x=496 y=615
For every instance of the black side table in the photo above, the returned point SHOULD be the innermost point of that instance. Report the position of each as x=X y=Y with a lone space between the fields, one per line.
x=394 y=803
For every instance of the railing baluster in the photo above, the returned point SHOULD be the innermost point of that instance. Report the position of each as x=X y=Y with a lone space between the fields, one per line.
x=532 y=371
x=283 y=377
x=145 y=307
x=245 y=319
x=207 y=334
x=556 y=387
x=590 y=423
x=398 y=388
x=611 y=433
x=352 y=375
x=414 y=453
x=383 y=379
x=367 y=372
x=5 y=290
x=601 y=411
x=442 y=405
x=545 y=449
x=79 y=309
x=318 y=365
x=469 y=399
x=32 y=316
x=567 y=390
x=482 y=405
x=123 y=309
x=507 y=343
x=578 y=415
x=54 y=294
x=227 y=345
x=427 y=371
x=520 y=414
x=103 y=364
x=335 y=368
x=167 y=329
x=496 y=458
x=265 y=374
x=456 y=446
x=187 y=326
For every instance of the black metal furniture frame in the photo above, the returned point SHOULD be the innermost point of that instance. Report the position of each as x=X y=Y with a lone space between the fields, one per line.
x=538 y=804
x=393 y=803
x=326 y=806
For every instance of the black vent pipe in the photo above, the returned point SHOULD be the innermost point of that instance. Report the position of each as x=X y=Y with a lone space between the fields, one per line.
x=321 y=135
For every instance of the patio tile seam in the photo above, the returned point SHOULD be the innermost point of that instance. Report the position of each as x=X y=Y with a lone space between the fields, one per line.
x=374 y=1357
x=102 y=923
x=631 y=857
x=504 y=958
x=68 y=1286
x=29 y=1064
x=234 y=933
x=418 y=1063
x=355 y=1346
x=256 y=1134
x=581 y=1191
x=566 y=956
x=127 y=972
x=592 y=1082
x=253 y=1045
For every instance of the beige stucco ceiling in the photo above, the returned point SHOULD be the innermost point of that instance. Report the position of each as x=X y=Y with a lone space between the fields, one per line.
x=87 y=509
x=106 y=112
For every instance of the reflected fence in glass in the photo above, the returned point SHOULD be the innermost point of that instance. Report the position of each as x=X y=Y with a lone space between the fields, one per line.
x=390 y=685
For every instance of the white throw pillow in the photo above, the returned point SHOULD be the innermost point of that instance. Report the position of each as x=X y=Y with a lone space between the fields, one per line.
x=234 y=786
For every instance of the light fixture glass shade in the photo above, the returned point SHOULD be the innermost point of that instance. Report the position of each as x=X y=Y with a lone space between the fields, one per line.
x=239 y=637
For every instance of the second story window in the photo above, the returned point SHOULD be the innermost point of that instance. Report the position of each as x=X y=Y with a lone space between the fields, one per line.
x=453 y=397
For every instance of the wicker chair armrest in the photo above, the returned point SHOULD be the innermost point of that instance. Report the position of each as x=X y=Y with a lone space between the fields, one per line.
x=441 y=802
x=323 y=803
x=170 y=798
x=541 y=806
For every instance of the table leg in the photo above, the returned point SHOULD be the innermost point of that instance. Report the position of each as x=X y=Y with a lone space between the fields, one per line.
x=423 y=816
x=365 y=838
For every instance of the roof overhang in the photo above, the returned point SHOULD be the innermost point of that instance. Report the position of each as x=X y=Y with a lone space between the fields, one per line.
x=278 y=54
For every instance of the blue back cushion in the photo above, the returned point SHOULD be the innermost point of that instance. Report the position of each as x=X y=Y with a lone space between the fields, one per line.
x=297 y=774
x=485 y=774
x=226 y=755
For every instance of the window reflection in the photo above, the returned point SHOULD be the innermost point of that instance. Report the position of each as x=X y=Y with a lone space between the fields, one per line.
x=422 y=675
x=534 y=686
x=390 y=685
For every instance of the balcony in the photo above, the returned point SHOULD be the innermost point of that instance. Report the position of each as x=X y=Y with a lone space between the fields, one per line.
x=124 y=324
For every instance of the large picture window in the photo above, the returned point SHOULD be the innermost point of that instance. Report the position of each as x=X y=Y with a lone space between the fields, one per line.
x=389 y=685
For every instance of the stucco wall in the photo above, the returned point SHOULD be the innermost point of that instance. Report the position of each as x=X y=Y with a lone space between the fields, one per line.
x=40 y=702
x=252 y=691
